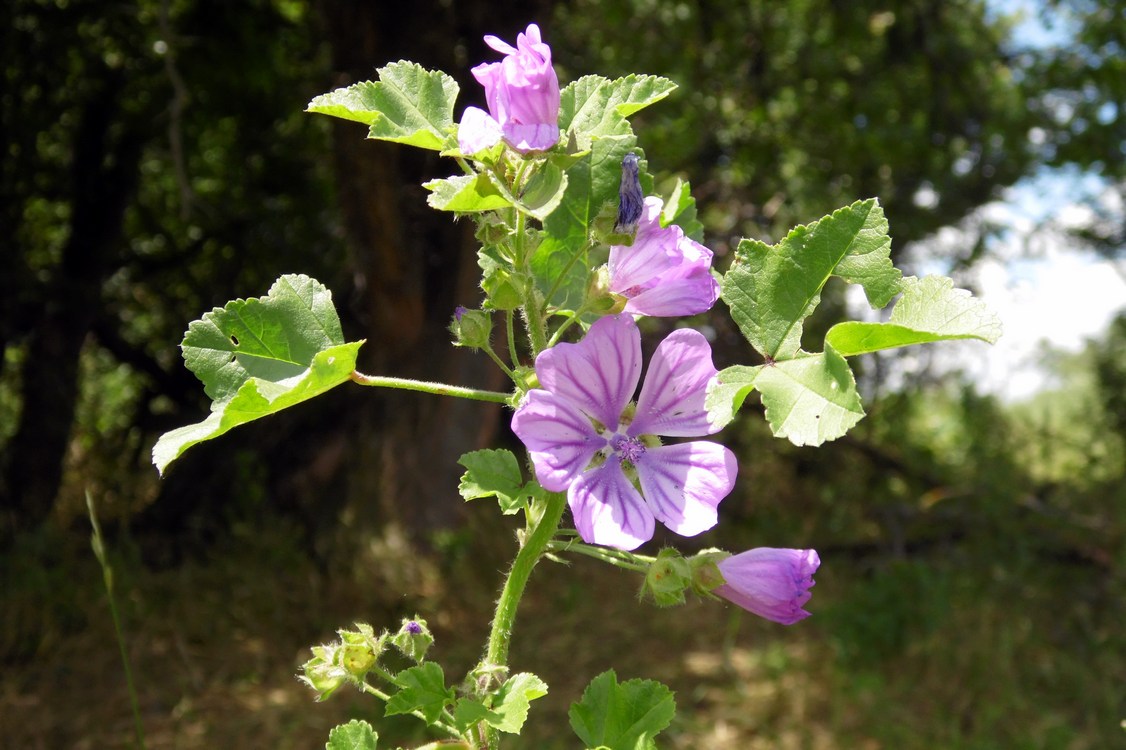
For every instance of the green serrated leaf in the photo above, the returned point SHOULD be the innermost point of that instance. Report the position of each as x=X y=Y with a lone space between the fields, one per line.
x=595 y=107
x=423 y=689
x=726 y=395
x=680 y=209
x=810 y=399
x=468 y=712
x=771 y=290
x=544 y=192
x=258 y=398
x=622 y=717
x=493 y=473
x=272 y=337
x=355 y=735
x=930 y=310
x=512 y=700
x=636 y=92
x=465 y=194
x=258 y=356
x=408 y=104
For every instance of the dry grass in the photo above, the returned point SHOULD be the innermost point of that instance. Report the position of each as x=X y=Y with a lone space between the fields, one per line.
x=215 y=645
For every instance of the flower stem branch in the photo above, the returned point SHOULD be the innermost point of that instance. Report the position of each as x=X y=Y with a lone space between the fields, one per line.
x=615 y=557
x=438 y=389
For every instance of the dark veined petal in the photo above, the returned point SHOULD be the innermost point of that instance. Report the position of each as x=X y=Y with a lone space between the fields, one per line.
x=672 y=298
x=672 y=397
x=683 y=484
x=559 y=438
x=773 y=583
x=608 y=509
x=600 y=373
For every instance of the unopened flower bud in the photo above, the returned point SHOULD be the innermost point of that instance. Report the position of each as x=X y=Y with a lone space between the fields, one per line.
x=471 y=328
x=322 y=673
x=667 y=578
x=413 y=638
x=705 y=570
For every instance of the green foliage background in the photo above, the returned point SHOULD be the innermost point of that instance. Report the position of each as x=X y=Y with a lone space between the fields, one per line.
x=158 y=164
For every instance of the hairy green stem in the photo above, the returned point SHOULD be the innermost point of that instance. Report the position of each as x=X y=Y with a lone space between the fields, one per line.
x=535 y=544
x=511 y=331
x=438 y=389
x=615 y=557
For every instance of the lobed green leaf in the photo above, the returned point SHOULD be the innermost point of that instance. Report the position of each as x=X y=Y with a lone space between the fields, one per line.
x=809 y=399
x=930 y=310
x=408 y=104
x=622 y=716
x=355 y=735
x=680 y=209
x=772 y=290
x=258 y=356
x=512 y=701
x=595 y=107
x=465 y=194
x=494 y=473
x=423 y=689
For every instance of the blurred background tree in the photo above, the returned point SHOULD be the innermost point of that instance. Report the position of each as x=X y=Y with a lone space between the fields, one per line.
x=158 y=163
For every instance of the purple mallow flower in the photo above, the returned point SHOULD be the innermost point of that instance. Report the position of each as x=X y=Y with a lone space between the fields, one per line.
x=664 y=273
x=772 y=583
x=586 y=437
x=522 y=92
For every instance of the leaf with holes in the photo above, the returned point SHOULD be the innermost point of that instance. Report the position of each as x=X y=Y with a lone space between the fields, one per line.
x=258 y=356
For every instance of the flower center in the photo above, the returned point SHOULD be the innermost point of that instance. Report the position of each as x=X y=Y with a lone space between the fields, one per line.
x=630 y=449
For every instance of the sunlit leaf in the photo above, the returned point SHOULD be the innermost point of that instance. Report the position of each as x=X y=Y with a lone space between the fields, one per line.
x=771 y=290
x=622 y=716
x=258 y=356
x=408 y=104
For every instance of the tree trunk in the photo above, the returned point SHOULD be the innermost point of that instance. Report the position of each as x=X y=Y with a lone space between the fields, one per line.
x=104 y=177
x=412 y=265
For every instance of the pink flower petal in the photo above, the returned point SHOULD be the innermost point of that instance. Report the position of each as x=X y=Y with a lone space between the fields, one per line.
x=664 y=273
x=525 y=138
x=477 y=131
x=683 y=484
x=652 y=253
x=672 y=398
x=560 y=438
x=600 y=373
x=608 y=509
x=676 y=297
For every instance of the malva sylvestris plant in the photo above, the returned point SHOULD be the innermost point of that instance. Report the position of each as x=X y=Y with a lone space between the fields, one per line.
x=573 y=254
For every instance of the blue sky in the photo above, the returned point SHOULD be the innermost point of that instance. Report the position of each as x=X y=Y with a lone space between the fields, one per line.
x=1049 y=293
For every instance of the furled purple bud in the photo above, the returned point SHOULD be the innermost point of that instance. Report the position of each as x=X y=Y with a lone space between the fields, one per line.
x=630 y=198
x=772 y=583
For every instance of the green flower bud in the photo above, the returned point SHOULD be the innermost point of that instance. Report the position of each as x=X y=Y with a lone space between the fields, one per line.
x=413 y=638
x=667 y=578
x=322 y=673
x=705 y=570
x=471 y=328
x=357 y=659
